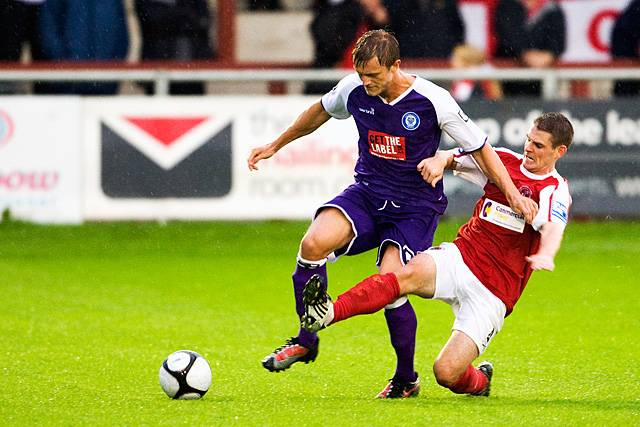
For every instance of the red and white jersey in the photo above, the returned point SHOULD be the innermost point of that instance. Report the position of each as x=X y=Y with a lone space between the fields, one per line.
x=496 y=240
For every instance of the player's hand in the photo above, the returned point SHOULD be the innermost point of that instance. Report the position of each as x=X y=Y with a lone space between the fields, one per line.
x=432 y=169
x=259 y=153
x=541 y=262
x=524 y=206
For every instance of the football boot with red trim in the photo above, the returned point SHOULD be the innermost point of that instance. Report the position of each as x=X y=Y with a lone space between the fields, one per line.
x=398 y=389
x=286 y=355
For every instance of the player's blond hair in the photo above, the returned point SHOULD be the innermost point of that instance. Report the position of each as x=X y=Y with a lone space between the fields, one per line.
x=376 y=44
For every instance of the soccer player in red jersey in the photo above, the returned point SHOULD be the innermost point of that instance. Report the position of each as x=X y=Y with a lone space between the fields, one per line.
x=483 y=273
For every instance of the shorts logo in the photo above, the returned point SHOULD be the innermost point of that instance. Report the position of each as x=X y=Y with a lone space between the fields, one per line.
x=6 y=128
x=407 y=254
x=489 y=336
x=386 y=146
x=525 y=191
x=410 y=120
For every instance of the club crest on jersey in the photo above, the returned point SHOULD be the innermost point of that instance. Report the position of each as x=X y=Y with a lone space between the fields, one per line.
x=525 y=191
x=410 y=121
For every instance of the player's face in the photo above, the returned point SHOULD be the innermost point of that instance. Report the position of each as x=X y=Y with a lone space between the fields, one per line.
x=376 y=78
x=540 y=156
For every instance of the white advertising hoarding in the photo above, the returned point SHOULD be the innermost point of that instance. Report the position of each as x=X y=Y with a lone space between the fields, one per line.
x=186 y=159
x=65 y=160
x=589 y=25
x=40 y=159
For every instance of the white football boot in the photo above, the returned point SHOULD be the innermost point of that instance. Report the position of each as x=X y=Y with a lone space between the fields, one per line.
x=318 y=308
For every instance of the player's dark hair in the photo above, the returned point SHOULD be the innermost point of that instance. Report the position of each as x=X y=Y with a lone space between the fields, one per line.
x=376 y=44
x=558 y=126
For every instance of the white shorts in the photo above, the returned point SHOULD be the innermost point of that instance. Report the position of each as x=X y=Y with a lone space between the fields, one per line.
x=479 y=313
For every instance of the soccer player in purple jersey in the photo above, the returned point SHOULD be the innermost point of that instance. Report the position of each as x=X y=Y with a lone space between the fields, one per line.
x=400 y=119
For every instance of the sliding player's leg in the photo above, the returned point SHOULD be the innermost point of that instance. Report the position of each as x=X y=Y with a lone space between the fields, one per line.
x=479 y=316
x=370 y=295
x=453 y=368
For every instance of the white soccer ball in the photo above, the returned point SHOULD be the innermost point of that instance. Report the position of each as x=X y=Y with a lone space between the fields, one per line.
x=185 y=375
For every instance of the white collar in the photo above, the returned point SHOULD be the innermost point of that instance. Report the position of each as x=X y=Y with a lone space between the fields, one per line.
x=403 y=94
x=532 y=175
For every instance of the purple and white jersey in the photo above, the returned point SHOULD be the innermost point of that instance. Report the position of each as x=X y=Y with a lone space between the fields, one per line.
x=394 y=137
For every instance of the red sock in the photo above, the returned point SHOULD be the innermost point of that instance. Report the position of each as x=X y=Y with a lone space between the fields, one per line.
x=368 y=296
x=472 y=381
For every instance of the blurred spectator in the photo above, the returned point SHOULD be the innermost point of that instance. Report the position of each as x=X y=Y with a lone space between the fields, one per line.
x=625 y=44
x=83 y=30
x=467 y=56
x=531 y=31
x=18 y=25
x=176 y=30
x=426 y=28
x=264 y=5
x=335 y=27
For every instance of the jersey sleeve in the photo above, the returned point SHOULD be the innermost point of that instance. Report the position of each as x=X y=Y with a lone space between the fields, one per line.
x=335 y=101
x=554 y=205
x=451 y=119
x=467 y=168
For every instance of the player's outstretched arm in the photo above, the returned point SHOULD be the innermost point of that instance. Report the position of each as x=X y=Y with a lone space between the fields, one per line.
x=550 y=239
x=310 y=120
x=493 y=168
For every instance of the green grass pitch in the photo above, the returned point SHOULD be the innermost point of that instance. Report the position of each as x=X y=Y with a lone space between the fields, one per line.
x=89 y=313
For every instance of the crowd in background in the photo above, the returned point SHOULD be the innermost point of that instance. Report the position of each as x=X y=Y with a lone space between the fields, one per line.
x=96 y=30
x=531 y=32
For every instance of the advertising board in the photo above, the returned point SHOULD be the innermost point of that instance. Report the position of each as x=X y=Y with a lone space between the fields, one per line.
x=40 y=159
x=186 y=158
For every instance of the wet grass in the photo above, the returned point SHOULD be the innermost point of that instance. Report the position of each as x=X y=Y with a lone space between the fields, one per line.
x=89 y=313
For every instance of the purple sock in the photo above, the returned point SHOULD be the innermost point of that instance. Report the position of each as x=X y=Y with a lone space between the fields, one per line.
x=402 y=325
x=304 y=271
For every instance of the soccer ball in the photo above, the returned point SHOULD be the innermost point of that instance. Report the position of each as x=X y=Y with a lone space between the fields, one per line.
x=185 y=375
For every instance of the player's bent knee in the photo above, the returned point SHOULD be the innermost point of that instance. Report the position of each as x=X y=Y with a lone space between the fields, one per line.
x=446 y=374
x=313 y=249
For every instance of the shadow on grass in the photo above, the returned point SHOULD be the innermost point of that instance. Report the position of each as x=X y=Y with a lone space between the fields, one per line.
x=481 y=402
x=520 y=402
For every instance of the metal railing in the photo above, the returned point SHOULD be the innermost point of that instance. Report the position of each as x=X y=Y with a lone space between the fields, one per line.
x=161 y=78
